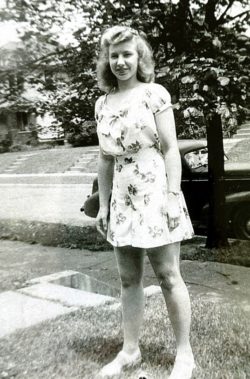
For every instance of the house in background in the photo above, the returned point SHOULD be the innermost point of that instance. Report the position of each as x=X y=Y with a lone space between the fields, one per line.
x=19 y=122
x=17 y=112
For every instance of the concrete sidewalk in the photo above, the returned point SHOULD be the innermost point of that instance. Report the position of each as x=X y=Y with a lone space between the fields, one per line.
x=38 y=283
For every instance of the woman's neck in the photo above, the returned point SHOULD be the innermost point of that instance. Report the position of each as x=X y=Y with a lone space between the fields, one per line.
x=127 y=85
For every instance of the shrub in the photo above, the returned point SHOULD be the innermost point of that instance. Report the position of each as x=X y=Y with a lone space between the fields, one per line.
x=83 y=135
x=16 y=148
x=5 y=144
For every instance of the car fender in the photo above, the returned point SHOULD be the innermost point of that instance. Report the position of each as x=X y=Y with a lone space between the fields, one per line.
x=230 y=201
x=243 y=196
x=234 y=201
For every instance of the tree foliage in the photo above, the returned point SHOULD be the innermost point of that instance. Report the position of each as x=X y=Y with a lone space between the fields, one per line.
x=201 y=54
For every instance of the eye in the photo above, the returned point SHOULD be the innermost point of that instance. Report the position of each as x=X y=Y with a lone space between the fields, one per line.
x=128 y=53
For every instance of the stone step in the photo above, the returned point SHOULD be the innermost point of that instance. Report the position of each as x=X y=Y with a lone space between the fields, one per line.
x=81 y=167
x=244 y=130
x=87 y=158
x=17 y=163
x=82 y=164
x=8 y=170
x=90 y=156
x=246 y=125
x=241 y=135
x=84 y=160
x=66 y=296
x=76 y=169
x=20 y=311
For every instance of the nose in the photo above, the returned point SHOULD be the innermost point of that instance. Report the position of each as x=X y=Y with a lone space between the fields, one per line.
x=120 y=60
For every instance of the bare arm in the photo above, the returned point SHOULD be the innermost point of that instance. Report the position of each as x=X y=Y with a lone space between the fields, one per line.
x=167 y=134
x=105 y=178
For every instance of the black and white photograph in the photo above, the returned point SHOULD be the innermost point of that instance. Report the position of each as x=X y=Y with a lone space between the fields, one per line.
x=124 y=189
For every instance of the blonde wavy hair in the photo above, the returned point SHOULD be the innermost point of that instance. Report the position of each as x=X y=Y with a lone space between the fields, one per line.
x=117 y=34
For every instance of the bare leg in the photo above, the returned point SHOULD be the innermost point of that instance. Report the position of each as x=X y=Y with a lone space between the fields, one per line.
x=165 y=262
x=130 y=265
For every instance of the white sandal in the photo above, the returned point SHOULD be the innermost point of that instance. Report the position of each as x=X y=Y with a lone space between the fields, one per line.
x=183 y=369
x=121 y=362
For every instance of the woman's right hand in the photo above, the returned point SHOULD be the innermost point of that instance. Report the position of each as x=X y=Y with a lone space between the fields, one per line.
x=102 y=221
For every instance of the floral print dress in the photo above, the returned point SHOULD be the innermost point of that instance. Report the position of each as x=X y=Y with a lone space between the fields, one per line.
x=139 y=201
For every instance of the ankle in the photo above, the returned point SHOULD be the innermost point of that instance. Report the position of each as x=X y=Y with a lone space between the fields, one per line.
x=185 y=352
x=131 y=350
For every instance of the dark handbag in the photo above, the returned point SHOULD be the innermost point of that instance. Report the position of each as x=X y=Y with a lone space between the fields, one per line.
x=91 y=204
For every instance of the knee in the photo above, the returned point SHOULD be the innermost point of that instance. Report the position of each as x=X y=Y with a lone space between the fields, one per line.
x=129 y=281
x=168 y=278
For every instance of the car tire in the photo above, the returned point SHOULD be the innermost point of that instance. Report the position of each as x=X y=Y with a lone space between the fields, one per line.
x=241 y=222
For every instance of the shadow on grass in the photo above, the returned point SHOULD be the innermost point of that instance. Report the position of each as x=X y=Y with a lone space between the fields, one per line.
x=77 y=345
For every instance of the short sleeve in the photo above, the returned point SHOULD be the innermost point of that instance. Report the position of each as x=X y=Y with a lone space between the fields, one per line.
x=98 y=107
x=159 y=98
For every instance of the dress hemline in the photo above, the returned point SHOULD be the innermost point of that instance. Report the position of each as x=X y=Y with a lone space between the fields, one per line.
x=122 y=244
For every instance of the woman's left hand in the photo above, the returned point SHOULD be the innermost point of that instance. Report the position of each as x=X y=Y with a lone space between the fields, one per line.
x=173 y=211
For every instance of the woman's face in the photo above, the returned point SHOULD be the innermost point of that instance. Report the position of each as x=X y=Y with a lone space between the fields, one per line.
x=123 y=60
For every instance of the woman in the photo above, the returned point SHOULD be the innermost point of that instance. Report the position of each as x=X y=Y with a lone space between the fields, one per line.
x=139 y=160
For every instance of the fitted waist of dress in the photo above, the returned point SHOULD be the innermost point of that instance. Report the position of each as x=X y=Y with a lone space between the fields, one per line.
x=147 y=153
x=144 y=169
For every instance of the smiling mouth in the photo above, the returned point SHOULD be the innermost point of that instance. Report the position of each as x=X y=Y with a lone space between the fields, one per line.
x=121 y=72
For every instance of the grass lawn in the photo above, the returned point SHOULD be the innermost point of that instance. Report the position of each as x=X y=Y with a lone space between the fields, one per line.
x=241 y=151
x=79 y=344
x=50 y=161
x=43 y=161
x=237 y=253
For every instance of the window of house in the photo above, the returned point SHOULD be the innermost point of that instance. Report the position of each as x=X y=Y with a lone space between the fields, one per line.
x=22 y=120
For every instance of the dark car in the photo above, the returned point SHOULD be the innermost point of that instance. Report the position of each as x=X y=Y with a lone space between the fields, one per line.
x=194 y=155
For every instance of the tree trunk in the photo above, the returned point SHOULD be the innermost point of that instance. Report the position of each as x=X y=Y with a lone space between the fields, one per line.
x=180 y=28
x=216 y=236
x=210 y=18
